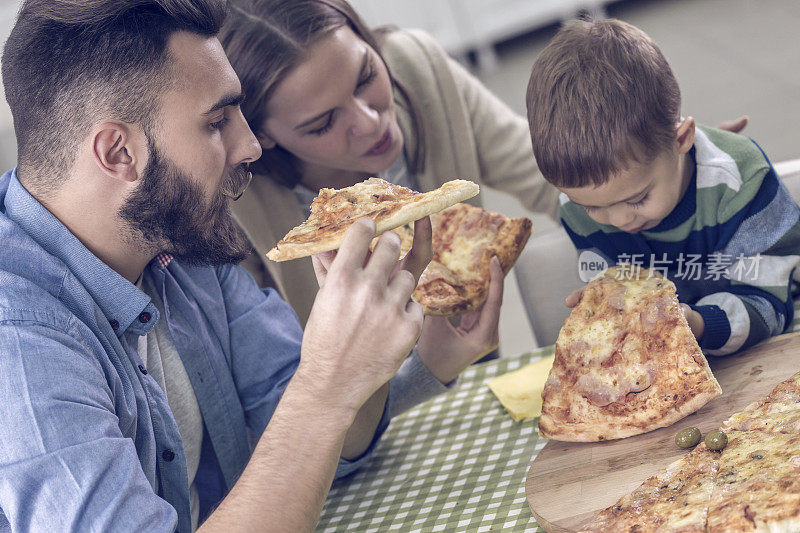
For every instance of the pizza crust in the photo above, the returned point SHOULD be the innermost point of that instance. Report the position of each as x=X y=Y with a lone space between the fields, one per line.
x=391 y=206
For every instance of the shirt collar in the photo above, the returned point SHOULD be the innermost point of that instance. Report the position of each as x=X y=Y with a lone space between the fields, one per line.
x=120 y=301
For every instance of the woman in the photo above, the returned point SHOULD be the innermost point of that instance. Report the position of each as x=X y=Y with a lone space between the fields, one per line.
x=333 y=103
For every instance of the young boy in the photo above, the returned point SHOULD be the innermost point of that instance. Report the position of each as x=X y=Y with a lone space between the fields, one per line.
x=644 y=185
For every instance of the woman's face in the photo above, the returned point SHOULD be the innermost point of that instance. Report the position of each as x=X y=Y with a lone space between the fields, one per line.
x=335 y=109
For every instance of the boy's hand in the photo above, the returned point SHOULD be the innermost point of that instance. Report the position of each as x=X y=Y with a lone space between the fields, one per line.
x=574 y=297
x=695 y=320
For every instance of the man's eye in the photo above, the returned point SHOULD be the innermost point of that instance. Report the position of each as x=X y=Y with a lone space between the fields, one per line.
x=219 y=125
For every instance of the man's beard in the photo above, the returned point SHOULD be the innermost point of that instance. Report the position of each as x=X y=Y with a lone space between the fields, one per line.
x=168 y=213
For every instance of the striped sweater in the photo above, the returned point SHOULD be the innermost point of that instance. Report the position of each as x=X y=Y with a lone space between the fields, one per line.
x=731 y=245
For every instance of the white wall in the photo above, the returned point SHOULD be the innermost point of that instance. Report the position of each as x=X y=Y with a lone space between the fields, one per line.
x=8 y=147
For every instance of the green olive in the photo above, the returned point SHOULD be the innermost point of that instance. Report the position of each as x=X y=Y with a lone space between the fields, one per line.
x=716 y=440
x=687 y=437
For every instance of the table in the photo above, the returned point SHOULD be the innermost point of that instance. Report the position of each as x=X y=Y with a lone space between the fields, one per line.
x=456 y=463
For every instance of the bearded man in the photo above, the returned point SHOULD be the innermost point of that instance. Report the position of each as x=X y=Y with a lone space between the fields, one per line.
x=146 y=383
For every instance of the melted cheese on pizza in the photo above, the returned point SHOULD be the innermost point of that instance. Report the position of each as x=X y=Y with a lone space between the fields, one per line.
x=602 y=338
x=757 y=487
x=626 y=361
x=334 y=207
x=778 y=412
x=464 y=240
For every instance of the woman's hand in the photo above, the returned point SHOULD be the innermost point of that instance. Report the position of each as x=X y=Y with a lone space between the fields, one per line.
x=734 y=126
x=447 y=350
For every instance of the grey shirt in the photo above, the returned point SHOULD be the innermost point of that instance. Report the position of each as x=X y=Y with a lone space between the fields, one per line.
x=163 y=362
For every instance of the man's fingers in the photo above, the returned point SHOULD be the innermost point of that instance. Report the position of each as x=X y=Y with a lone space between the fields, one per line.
x=384 y=256
x=735 y=125
x=355 y=246
x=322 y=264
x=416 y=316
x=401 y=286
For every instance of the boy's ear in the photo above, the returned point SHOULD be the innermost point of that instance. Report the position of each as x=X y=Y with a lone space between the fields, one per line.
x=685 y=134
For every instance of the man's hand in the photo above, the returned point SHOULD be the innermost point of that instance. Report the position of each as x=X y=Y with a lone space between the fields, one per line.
x=415 y=261
x=447 y=350
x=363 y=323
x=695 y=320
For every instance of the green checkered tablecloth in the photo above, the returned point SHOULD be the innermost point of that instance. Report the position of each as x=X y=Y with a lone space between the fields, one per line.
x=456 y=463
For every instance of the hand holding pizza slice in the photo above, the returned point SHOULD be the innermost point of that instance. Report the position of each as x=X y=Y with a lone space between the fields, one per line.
x=465 y=238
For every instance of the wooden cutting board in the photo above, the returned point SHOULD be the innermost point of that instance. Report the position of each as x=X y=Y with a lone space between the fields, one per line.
x=569 y=482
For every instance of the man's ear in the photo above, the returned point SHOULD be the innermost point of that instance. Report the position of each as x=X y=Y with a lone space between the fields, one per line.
x=685 y=134
x=117 y=151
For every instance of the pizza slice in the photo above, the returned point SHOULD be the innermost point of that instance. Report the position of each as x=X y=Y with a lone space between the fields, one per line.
x=334 y=210
x=464 y=240
x=757 y=487
x=674 y=500
x=777 y=412
x=626 y=361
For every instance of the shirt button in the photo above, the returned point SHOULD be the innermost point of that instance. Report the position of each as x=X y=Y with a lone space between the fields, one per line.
x=114 y=324
x=144 y=318
x=167 y=455
x=142 y=369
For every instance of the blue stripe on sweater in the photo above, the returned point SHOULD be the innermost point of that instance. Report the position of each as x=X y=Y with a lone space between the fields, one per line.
x=704 y=241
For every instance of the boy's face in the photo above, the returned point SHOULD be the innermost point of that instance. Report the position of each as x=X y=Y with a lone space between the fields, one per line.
x=641 y=196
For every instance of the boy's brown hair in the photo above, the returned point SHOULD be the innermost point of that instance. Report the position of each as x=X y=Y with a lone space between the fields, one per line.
x=601 y=95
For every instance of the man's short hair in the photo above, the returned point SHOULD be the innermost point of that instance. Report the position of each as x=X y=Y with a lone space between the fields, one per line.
x=601 y=95
x=67 y=62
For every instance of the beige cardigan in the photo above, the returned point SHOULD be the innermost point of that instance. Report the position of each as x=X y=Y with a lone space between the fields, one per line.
x=469 y=134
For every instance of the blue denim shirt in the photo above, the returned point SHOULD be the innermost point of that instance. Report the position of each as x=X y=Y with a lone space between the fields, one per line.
x=87 y=439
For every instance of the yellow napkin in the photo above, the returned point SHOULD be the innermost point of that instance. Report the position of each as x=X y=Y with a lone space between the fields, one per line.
x=520 y=391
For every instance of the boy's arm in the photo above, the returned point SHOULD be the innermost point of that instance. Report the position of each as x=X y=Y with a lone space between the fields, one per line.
x=764 y=253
